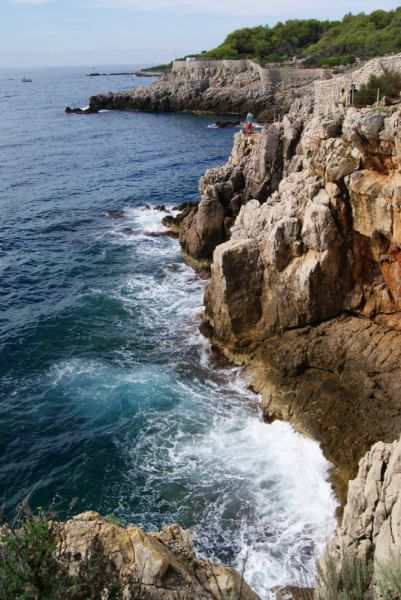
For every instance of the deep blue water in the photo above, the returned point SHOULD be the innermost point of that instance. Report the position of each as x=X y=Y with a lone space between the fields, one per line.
x=108 y=392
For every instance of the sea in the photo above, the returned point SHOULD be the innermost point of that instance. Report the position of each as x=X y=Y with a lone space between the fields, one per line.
x=108 y=392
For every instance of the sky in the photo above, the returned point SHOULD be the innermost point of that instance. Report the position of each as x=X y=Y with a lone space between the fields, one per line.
x=105 y=32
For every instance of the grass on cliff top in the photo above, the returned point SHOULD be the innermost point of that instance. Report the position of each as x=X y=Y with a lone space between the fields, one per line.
x=316 y=41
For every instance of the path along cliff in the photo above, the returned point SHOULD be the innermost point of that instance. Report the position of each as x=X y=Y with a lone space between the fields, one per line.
x=306 y=277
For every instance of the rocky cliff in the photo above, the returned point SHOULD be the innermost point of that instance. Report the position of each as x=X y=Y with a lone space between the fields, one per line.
x=254 y=170
x=153 y=566
x=306 y=291
x=217 y=87
x=371 y=525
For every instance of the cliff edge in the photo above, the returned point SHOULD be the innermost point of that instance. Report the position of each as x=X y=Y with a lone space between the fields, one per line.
x=306 y=291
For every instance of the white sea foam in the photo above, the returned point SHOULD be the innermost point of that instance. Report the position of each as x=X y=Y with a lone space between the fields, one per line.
x=203 y=456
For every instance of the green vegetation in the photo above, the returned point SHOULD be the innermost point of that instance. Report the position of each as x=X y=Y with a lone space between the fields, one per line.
x=113 y=520
x=36 y=562
x=316 y=41
x=351 y=582
x=336 y=62
x=159 y=68
x=389 y=85
x=389 y=577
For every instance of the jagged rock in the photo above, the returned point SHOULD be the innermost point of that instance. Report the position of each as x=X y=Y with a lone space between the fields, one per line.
x=225 y=189
x=203 y=229
x=371 y=524
x=158 y=566
x=326 y=241
x=174 y=223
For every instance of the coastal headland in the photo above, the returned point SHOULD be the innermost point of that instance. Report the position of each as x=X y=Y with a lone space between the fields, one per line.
x=217 y=87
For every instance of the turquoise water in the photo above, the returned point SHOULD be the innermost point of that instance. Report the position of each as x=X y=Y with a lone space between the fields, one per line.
x=108 y=392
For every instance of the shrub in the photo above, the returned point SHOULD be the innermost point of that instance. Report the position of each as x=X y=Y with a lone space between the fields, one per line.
x=389 y=85
x=336 y=62
x=36 y=564
x=351 y=582
x=113 y=520
x=389 y=577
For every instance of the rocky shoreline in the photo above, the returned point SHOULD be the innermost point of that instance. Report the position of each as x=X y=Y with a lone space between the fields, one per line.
x=217 y=87
x=301 y=229
x=305 y=283
x=301 y=232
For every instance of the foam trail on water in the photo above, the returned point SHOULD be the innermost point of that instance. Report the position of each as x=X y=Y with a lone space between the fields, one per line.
x=186 y=434
x=210 y=459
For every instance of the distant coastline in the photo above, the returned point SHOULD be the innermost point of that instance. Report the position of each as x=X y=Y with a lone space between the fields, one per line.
x=136 y=73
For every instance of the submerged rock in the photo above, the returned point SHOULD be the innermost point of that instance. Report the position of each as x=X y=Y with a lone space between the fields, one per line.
x=116 y=215
x=81 y=111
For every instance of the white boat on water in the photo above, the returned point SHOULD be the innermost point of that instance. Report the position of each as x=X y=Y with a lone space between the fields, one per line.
x=26 y=80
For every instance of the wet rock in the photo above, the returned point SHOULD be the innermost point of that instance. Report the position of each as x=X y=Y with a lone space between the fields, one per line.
x=81 y=111
x=222 y=124
x=116 y=215
x=174 y=223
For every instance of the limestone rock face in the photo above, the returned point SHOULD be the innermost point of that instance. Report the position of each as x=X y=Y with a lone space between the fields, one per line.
x=220 y=87
x=371 y=523
x=328 y=237
x=249 y=173
x=307 y=289
x=161 y=566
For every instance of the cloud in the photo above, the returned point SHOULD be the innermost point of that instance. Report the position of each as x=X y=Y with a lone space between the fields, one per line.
x=37 y=2
x=237 y=8
x=228 y=8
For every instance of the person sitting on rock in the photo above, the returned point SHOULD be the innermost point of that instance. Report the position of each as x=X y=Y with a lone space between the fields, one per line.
x=249 y=123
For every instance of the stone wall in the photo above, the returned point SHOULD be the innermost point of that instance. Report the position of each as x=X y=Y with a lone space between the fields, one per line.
x=267 y=76
x=327 y=92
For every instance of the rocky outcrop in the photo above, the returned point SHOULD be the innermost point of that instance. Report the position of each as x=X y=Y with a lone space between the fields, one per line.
x=254 y=170
x=371 y=525
x=156 y=566
x=307 y=289
x=219 y=87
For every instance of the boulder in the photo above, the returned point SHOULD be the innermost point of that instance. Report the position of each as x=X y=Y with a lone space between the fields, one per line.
x=156 y=565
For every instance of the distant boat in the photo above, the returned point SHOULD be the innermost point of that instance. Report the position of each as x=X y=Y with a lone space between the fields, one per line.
x=26 y=80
